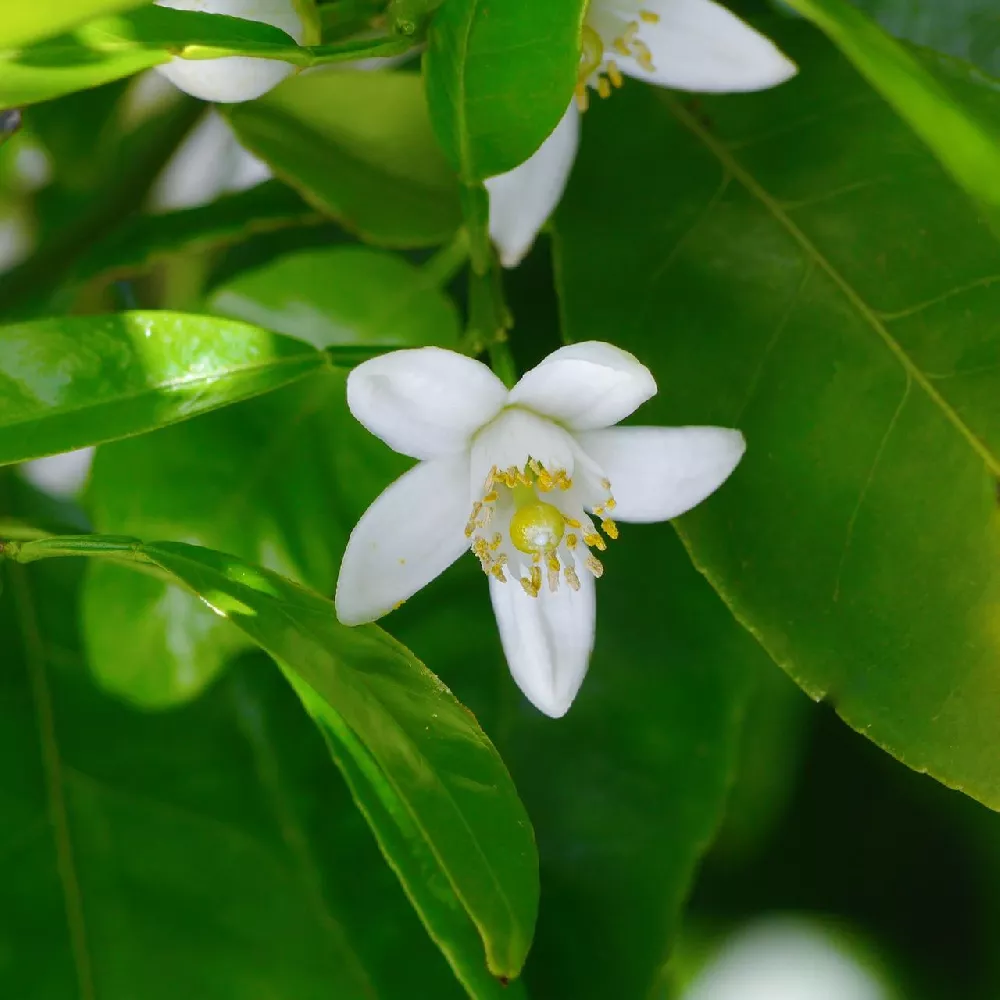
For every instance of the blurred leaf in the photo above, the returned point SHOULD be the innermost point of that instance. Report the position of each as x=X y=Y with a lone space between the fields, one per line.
x=625 y=792
x=343 y=295
x=104 y=167
x=500 y=74
x=430 y=783
x=840 y=305
x=966 y=146
x=207 y=853
x=28 y=22
x=114 y=47
x=965 y=29
x=75 y=381
x=232 y=218
x=359 y=147
x=252 y=480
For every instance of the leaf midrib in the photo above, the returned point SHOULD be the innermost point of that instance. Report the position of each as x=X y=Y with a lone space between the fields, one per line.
x=757 y=191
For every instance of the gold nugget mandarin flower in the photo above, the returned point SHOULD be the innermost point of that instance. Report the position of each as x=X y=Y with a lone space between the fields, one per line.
x=693 y=45
x=532 y=480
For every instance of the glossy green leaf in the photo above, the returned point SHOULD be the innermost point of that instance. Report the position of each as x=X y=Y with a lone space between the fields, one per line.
x=147 y=239
x=968 y=147
x=27 y=22
x=500 y=74
x=359 y=147
x=626 y=791
x=343 y=295
x=840 y=306
x=70 y=382
x=430 y=783
x=965 y=29
x=204 y=853
x=252 y=480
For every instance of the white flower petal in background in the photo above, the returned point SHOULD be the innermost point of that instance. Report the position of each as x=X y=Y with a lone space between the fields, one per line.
x=60 y=476
x=586 y=385
x=547 y=640
x=661 y=472
x=426 y=401
x=695 y=45
x=411 y=534
x=785 y=959
x=234 y=78
x=522 y=199
x=210 y=162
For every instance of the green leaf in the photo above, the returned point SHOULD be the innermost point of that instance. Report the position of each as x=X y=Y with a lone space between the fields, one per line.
x=24 y=23
x=430 y=783
x=839 y=306
x=343 y=295
x=253 y=480
x=626 y=791
x=359 y=147
x=968 y=147
x=500 y=74
x=208 y=852
x=70 y=382
x=965 y=29
x=147 y=239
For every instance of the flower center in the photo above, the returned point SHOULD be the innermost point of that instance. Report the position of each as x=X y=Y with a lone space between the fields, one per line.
x=530 y=524
x=604 y=75
x=536 y=526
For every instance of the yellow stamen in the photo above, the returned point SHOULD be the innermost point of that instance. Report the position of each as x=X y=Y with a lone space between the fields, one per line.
x=571 y=578
x=649 y=16
x=595 y=566
x=610 y=528
x=595 y=542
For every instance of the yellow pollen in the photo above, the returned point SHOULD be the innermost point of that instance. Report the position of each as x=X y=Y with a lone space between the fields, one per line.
x=649 y=16
x=491 y=497
x=610 y=504
x=609 y=527
x=497 y=541
x=595 y=542
x=571 y=578
x=595 y=566
x=614 y=74
x=571 y=542
x=603 y=87
x=536 y=527
x=572 y=521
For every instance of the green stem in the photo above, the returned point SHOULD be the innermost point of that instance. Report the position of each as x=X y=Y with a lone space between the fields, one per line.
x=116 y=547
x=448 y=261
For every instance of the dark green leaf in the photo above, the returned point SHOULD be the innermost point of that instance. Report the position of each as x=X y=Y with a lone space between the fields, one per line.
x=359 y=147
x=147 y=239
x=70 y=382
x=965 y=29
x=969 y=147
x=840 y=306
x=626 y=791
x=500 y=74
x=426 y=777
x=343 y=295
x=207 y=853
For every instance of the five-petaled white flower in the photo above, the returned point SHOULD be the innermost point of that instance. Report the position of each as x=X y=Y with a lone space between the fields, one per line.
x=532 y=480
x=694 y=45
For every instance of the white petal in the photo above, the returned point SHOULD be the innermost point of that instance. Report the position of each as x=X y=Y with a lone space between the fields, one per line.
x=585 y=386
x=426 y=401
x=522 y=199
x=660 y=472
x=699 y=45
x=411 y=534
x=547 y=640
x=234 y=78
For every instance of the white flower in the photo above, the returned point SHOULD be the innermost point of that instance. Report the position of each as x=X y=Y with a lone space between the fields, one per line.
x=528 y=479
x=694 y=45
x=235 y=78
